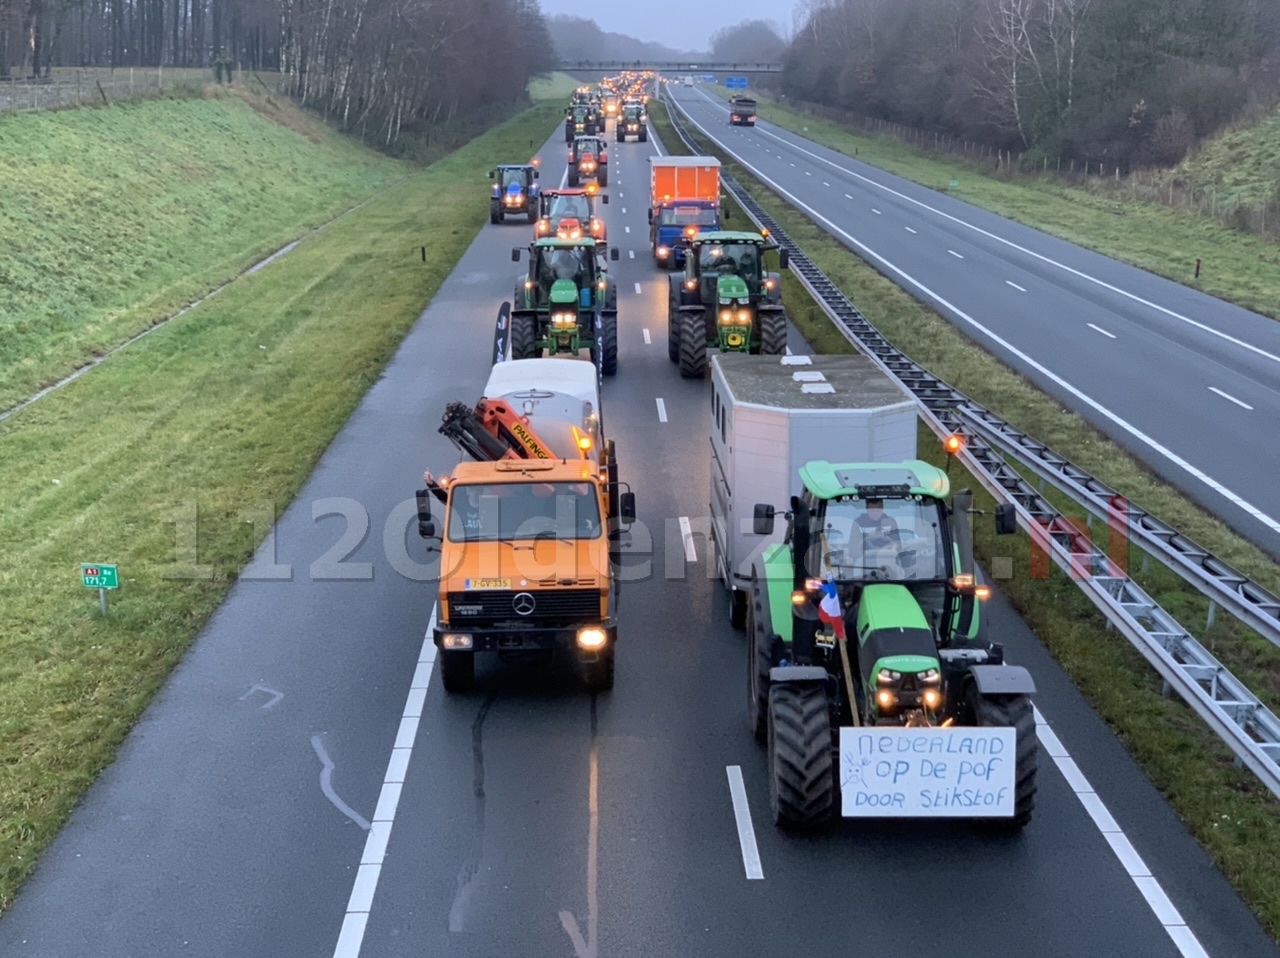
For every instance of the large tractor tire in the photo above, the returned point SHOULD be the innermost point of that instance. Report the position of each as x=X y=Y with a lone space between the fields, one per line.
x=458 y=670
x=693 y=346
x=609 y=331
x=673 y=320
x=533 y=214
x=572 y=178
x=524 y=334
x=773 y=334
x=1015 y=712
x=598 y=675
x=502 y=216
x=758 y=663
x=604 y=176
x=802 y=785
x=737 y=608
x=494 y=213
x=644 y=136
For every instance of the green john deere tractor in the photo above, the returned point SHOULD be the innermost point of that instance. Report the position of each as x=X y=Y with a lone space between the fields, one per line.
x=566 y=302
x=578 y=121
x=725 y=300
x=633 y=121
x=864 y=630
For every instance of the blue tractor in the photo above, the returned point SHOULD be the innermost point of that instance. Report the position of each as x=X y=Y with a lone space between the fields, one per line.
x=515 y=191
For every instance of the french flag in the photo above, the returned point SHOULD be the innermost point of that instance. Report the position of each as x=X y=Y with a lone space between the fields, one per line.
x=829 y=609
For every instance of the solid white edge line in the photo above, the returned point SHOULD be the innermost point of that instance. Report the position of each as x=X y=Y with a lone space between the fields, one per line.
x=955 y=254
x=746 y=831
x=1240 y=502
x=647 y=340
x=1040 y=256
x=1230 y=398
x=637 y=288
x=686 y=536
x=662 y=409
x=1101 y=330
x=363 y=888
x=1015 y=285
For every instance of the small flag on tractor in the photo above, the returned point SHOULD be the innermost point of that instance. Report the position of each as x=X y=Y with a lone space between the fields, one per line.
x=829 y=609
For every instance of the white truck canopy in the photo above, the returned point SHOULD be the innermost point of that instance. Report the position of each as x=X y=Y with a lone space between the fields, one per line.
x=558 y=395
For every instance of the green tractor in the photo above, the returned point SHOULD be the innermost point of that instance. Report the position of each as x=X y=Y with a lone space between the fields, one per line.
x=579 y=120
x=566 y=302
x=633 y=121
x=869 y=676
x=725 y=300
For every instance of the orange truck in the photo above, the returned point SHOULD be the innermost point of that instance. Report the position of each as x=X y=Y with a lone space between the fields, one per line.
x=684 y=199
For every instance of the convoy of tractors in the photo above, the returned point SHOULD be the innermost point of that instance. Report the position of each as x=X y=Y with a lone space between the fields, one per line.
x=870 y=671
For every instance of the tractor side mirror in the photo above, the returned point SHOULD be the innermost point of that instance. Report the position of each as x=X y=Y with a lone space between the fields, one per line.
x=604 y=198
x=784 y=259
x=651 y=216
x=426 y=527
x=613 y=253
x=762 y=520
x=728 y=213
x=491 y=174
x=515 y=255
x=627 y=508
x=537 y=175
x=1006 y=519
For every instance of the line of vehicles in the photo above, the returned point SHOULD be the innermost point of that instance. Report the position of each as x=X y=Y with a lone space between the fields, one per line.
x=847 y=560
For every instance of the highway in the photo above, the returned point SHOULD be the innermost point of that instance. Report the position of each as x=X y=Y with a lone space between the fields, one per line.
x=302 y=786
x=1188 y=384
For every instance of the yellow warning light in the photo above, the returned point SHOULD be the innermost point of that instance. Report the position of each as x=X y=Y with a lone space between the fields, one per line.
x=953 y=443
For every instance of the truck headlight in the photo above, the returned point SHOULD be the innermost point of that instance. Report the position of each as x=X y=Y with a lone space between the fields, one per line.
x=456 y=640
x=592 y=638
x=662 y=252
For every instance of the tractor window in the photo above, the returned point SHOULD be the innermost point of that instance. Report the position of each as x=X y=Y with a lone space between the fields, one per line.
x=570 y=207
x=687 y=216
x=570 y=262
x=891 y=539
x=524 y=510
x=512 y=177
x=740 y=258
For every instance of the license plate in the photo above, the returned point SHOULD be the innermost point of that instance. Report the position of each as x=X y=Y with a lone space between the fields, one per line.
x=488 y=584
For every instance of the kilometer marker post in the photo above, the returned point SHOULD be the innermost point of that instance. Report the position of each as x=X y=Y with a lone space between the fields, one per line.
x=100 y=576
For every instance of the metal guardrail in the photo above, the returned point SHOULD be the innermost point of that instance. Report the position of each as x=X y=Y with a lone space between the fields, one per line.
x=1247 y=726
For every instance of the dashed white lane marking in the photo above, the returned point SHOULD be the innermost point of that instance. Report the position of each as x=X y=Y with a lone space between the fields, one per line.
x=1101 y=330
x=351 y=937
x=647 y=340
x=876 y=211
x=955 y=254
x=746 y=831
x=807 y=173
x=627 y=228
x=624 y=209
x=631 y=254
x=1010 y=282
x=637 y=287
x=1166 y=913
x=662 y=410
x=793 y=164
x=686 y=536
x=1230 y=495
x=848 y=197
x=825 y=183
x=1230 y=398
x=908 y=229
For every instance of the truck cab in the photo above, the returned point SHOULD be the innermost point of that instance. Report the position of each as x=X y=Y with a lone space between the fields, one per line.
x=672 y=224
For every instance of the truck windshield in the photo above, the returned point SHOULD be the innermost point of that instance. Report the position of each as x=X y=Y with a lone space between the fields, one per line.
x=505 y=512
x=890 y=539
x=687 y=216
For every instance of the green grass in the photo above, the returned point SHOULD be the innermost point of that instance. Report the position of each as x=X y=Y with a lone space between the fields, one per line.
x=1231 y=815
x=1243 y=164
x=116 y=218
x=198 y=411
x=556 y=86
x=1238 y=267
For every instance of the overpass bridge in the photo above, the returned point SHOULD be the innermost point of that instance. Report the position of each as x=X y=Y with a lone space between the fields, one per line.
x=666 y=66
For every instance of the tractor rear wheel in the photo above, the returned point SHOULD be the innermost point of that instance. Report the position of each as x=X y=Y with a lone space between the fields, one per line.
x=493 y=214
x=759 y=646
x=609 y=331
x=573 y=174
x=802 y=791
x=523 y=337
x=693 y=346
x=737 y=608
x=533 y=215
x=1015 y=712
x=604 y=177
x=773 y=334
x=644 y=136
x=458 y=670
x=598 y=675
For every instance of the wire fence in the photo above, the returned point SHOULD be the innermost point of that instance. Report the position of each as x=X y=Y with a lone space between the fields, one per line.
x=1160 y=186
x=70 y=86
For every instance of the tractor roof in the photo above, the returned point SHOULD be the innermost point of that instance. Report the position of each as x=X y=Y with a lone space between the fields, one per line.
x=883 y=480
x=557 y=242
x=516 y=166
x=568 y=191
x=729 y=236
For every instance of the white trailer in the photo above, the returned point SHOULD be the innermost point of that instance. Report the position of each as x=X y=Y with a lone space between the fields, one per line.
x=772 y=414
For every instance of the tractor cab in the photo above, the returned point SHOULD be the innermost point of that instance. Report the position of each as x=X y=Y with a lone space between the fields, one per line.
x=557 y=302
x=571 y=214
x=515 y=190
x=633 y=121
x=717 y=256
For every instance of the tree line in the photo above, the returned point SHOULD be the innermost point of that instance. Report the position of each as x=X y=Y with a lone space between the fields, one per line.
x=378 y=65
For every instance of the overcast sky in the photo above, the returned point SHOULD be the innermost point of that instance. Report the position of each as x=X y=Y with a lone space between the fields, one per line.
x=657 y=20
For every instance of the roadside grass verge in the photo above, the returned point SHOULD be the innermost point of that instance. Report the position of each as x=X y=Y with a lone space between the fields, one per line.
x=196 y=411
x=553 y=86
x=115 y=218
x=1238 y=267
x=1231 y=815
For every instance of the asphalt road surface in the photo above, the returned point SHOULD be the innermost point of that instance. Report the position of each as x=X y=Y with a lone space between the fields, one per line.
x=529 y=817
x=1187 y=383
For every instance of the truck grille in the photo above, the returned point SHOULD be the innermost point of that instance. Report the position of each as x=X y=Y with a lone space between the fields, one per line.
x=534 y=605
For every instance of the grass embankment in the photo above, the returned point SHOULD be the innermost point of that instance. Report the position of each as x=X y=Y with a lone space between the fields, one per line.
x=1242 y=164
x=1234 y=817
x=554 y=86
x=116 y=218
x=198 y=411
x=1238 y=267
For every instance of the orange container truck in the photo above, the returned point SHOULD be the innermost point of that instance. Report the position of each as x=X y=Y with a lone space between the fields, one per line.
x=684 y=199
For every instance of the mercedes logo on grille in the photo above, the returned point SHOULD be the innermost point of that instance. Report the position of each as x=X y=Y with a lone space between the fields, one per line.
x=523 y=603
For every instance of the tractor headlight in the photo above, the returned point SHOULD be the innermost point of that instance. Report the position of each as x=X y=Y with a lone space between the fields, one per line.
x=932 y=699
x=563 y=319
x=885 y=698
x=888 y=677
x=744 y=315
x=930 y=677
x=726 y=316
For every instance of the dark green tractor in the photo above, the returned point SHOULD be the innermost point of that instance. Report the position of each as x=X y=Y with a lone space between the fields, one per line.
x=867 y=615
x=578 y=121
x=633 y=121
x=725 y=300
x=566 y=303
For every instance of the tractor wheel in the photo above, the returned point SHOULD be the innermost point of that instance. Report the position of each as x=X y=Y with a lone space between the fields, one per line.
x=673 y=336
x=523 y=337
x=644 y=136
x=759 y=646
x=493 y=215
x=773 y=334
x=737 y=608
x=1015 y=712
x=533 y=215
x=693 y=346
x=598 y=675
x=458 y=670
x=573 y=175
x=802 y=787
x=609 y=362
x=502 y=216
x=604 y=177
